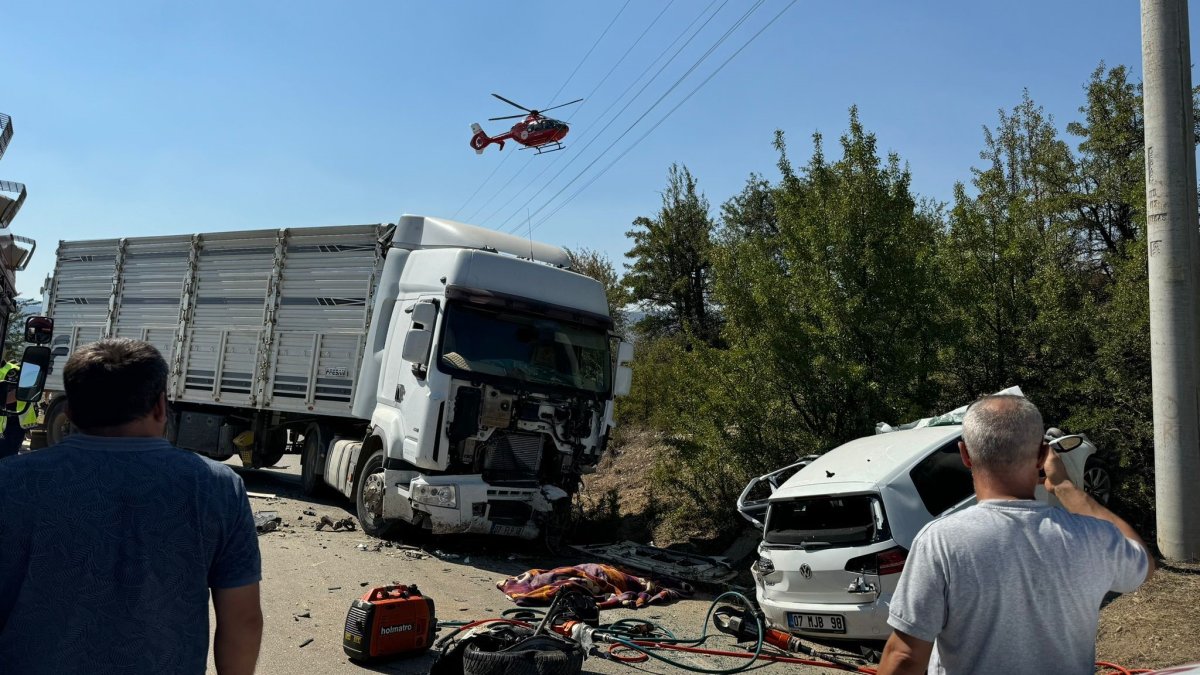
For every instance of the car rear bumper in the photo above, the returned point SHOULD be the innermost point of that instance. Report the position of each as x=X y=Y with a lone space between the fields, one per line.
x=864 y=622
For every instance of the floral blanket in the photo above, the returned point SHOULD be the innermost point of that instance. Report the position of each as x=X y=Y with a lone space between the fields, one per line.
x=610 y=586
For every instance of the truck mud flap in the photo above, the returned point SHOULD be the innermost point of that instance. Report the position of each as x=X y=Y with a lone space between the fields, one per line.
x=689 y=567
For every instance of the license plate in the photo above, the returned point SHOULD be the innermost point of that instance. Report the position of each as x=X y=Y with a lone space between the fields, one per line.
x=507 y=530
x=819 y=623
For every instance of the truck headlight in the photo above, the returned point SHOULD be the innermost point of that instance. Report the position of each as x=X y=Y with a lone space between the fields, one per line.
x=436 y=495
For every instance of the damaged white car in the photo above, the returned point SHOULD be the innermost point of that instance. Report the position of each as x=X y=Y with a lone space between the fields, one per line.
x=837 y=532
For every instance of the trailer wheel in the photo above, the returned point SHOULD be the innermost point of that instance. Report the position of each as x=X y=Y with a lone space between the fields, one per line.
x=58 y=425
x=272 y=449
x=369 y=489
x=312 y=467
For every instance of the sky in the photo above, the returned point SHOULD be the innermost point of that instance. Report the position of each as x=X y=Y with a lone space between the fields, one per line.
x=145 y=118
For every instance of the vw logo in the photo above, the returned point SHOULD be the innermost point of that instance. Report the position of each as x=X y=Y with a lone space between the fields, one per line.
x=806 y=571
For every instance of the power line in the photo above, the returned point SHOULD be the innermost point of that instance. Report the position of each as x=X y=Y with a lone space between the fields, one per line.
x=617 y=100
x=664 y=117
x=563 y=86
x=625 y=54
x=703 y=57
x=471 y=218
x=589 y=51
x=485 y=181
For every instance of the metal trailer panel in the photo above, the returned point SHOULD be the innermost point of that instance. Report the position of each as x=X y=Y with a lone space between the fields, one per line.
x=268 y=319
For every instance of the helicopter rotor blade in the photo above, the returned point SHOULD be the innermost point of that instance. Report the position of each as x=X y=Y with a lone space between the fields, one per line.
x=506 y=117
x=561 y=105
x=511 y=103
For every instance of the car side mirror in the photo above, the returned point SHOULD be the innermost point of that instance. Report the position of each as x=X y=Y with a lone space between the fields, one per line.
x=623 y=377
x=34 y=366
x=1066 y=443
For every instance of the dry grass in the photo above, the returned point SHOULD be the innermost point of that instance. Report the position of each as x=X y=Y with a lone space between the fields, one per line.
x=1157 y=625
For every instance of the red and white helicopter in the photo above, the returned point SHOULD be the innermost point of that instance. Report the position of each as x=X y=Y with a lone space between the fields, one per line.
x=543 y=134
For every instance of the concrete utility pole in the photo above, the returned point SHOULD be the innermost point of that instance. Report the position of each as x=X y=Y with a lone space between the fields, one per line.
x=1173 y=241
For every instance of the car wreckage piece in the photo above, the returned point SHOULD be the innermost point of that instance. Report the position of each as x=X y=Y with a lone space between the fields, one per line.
x=689 y=567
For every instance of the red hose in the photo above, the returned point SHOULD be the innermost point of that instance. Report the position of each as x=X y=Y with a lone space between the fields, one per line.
x=745 y=655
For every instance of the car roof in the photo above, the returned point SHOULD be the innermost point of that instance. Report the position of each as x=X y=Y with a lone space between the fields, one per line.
x=865 y=463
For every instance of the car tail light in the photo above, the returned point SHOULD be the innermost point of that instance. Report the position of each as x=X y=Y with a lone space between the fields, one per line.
x=764 y=565
x=882 y=563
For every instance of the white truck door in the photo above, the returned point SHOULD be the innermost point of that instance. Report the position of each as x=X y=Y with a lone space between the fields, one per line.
x=409 y=407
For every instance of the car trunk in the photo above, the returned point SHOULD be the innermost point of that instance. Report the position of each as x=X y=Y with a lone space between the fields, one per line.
x=809 y=541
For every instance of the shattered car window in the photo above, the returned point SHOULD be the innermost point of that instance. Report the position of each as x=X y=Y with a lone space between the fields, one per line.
x=849 y=520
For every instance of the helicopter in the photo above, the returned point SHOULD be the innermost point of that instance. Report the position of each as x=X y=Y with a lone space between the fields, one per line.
x=543 y=134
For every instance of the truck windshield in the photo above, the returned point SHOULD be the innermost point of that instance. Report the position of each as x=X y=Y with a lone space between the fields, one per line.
x=524 y=347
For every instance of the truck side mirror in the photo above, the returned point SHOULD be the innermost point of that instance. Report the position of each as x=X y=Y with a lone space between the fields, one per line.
x=39 y=330
x=34 y=366
x=623 y=377
x=420 y=336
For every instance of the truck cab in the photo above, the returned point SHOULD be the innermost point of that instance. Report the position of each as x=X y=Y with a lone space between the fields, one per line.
x=488 y=380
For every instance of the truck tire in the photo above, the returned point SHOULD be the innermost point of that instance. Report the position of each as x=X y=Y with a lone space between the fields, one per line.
x=58 y=426
x=272 y=450
x=312 y=459
x=369 y=489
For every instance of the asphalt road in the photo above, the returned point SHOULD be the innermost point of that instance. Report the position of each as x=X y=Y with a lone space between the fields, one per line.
x=311 y=577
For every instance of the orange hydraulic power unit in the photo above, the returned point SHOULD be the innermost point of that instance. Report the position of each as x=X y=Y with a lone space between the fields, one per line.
x=389 y=621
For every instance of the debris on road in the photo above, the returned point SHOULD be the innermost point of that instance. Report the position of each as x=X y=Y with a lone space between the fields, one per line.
x=309 y=512
x=306 y=643
x=262 y=495
x=266 y=521
x=608 y=585
x=689 y=567
x=346 y=523
x=305 y=615
x=334 y=588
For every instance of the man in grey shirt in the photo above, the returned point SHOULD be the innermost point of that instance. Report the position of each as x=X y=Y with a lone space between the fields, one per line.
x=1011 y=585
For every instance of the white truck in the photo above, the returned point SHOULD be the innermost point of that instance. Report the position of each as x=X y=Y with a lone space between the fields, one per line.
x=440 y=375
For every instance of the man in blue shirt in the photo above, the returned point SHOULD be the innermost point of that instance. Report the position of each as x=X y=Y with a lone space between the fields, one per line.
x=111 y=540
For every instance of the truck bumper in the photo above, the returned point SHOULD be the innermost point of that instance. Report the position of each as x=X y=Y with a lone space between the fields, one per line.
x=480 y=508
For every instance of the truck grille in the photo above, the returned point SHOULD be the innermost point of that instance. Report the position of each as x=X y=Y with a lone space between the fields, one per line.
x=512 y=457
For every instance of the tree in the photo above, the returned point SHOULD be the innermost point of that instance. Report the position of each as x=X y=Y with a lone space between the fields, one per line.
x=592 y=263
x=670 y=273
x=751 y=212
x=1011 y=265
x=14 y=340
x=838 y=307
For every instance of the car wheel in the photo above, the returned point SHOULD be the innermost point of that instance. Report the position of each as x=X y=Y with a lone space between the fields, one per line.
x=1097 y=480
x=369 y=490
x=58 y=426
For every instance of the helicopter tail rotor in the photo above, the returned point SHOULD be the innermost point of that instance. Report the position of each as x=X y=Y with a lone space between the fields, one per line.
x=481 y=140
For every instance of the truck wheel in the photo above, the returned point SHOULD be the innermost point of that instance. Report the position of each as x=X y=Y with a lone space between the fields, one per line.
x=369 y=489
x=58 y=426
x=312 y=469
x=272 y=449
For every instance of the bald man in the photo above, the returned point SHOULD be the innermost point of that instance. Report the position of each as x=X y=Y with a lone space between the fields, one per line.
x=1011 y=584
